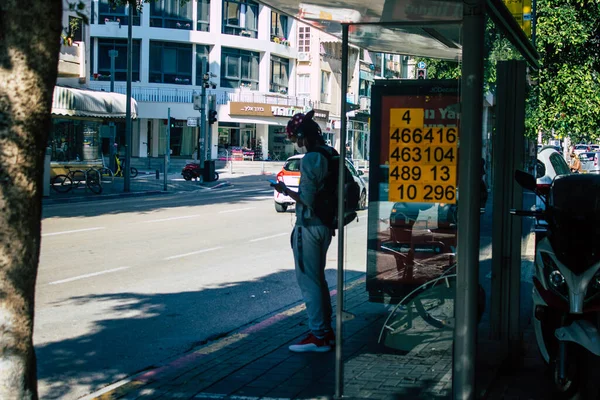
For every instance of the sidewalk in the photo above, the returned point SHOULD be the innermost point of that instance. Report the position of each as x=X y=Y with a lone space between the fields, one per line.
x=255 y=363
x=146 y=183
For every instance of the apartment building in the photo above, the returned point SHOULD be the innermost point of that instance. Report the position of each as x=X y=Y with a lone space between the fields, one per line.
x=264 y=68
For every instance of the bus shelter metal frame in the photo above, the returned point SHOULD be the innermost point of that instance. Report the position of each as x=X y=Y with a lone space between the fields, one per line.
x=468 y=230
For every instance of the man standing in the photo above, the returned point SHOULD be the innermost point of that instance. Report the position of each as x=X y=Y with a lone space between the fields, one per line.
x=310 y=238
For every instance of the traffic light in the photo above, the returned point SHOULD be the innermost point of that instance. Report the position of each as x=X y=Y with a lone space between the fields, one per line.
x=212 y=117
x=421 y=73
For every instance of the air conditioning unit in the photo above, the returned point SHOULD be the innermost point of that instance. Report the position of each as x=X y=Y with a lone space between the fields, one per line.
x=303 y=56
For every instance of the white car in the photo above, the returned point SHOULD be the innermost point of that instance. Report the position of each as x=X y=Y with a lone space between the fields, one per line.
x=550 y=163
x=290 y=175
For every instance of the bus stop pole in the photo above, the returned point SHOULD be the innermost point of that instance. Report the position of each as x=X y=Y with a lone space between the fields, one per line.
x=339 y=366
x=469 y=179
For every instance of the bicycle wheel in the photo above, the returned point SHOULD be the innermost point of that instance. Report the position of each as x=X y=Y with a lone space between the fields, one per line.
x=61 y=184
x=77 y=176
x=92 y=180
x=106 y=176
x=133 y=171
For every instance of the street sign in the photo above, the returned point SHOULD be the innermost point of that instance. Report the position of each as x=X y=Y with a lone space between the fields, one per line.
x=192 y=121
x=421 y=64
x=197 y=100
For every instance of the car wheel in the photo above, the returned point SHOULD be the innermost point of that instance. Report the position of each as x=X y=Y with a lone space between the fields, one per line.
x=362 y=204
x=279 y=207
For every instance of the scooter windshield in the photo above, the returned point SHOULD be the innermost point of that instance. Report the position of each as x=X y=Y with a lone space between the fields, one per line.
x=574 y=220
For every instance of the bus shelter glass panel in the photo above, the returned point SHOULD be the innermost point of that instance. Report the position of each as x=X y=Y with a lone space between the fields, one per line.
x=411 y=232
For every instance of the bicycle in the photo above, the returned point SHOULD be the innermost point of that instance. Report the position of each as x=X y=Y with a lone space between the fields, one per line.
x=430 y=305
x=119 y=172
x=107 y=176
x=63 y=183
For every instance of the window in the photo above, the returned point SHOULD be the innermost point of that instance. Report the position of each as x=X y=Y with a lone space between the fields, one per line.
x=203 y=22
x=240 y=17
x=364 y=88
x=174 y=14
x=279 y=26
x=303 y=85
x=239 y=68
x=107 y=13
x=304 y=39
x=325 y=86
x=171 y=63
x=559 y=164
x=120 y=45
x=279 y=75
x=76 y=28
x=201 y=60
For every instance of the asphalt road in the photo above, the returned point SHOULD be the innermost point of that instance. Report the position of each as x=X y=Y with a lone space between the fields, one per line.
x=125 y=284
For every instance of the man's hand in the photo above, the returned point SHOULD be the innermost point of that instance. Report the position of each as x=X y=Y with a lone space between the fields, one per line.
x=280 y=187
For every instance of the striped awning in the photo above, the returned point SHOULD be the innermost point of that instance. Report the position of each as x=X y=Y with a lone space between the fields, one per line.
x=90 y=103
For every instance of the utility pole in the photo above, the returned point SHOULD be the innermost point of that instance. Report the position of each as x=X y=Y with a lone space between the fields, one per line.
x=200 y=104
x=128 y=125
x=202 y=138
x=111 y=126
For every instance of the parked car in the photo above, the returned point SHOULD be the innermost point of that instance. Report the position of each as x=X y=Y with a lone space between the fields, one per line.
x=581 y=148
x=290 y=175
x=589 y=162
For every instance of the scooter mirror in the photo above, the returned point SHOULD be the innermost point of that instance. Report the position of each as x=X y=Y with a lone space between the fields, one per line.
x=525 y=180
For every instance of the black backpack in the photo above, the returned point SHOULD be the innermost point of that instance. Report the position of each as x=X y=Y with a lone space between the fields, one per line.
x=326 y=199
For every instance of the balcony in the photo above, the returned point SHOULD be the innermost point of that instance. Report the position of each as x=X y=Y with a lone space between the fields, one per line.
x=185 y=95
x=71 y=61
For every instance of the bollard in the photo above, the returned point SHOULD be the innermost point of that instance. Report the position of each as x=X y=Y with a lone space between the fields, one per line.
x=166 y=172
x=157 y=174
x=230 y=166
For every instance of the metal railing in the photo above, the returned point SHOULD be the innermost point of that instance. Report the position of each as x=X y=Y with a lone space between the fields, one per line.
x=185 y=95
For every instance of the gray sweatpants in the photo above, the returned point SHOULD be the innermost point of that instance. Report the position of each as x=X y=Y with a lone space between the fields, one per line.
x=309 y=245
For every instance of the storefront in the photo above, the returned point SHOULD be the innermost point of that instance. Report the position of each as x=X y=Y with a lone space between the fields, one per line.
x=358 y=137
x=258 y=130
x=85 y=123
x=238 y=141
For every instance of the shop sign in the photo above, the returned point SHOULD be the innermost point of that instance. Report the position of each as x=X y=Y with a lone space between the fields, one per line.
x=269 y=110
x=192 y=121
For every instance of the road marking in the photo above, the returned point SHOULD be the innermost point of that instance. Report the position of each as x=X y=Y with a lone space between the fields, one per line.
x=76 y=278
x=172 y=218
x=192 y=253
x=74 y=231
x=269 y=237
x=236 y=210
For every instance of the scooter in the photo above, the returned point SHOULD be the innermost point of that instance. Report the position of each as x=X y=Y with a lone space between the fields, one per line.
x=566 y=284
x=193 y=171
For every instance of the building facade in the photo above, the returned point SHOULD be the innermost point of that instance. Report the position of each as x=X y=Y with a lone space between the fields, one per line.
x=249 y=50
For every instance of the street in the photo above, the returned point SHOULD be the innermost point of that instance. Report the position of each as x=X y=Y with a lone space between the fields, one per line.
x=125 y=284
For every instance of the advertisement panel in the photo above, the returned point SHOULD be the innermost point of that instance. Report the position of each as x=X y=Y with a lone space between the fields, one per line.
x=412 y=184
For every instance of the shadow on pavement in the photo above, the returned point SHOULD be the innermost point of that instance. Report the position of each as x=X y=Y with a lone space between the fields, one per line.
x=145 y=330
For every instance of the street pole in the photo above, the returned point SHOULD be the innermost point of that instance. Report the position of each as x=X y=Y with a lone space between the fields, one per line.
x=128 y=124
x=167 y=150
x=202 y=136
x=467 y=279
x=339 y=365
x=212 y=105
x=111 y=126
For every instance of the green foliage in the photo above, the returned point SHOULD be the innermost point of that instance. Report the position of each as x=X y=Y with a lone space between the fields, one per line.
x=496 y=48
x=568 y=92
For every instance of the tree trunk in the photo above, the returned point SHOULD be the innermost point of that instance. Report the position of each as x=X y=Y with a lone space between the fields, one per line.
x=29 y=47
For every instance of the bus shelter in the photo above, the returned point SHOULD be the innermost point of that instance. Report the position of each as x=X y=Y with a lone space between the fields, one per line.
x=425 y=160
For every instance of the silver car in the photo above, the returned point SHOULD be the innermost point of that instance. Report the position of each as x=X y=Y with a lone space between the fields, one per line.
x=589 y=162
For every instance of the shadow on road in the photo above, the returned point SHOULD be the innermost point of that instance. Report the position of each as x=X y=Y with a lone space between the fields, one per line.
x=252 y=187
x=144 y=330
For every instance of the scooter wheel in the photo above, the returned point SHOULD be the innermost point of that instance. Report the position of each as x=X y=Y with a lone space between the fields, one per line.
x=187 y=175
x=216 y=177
